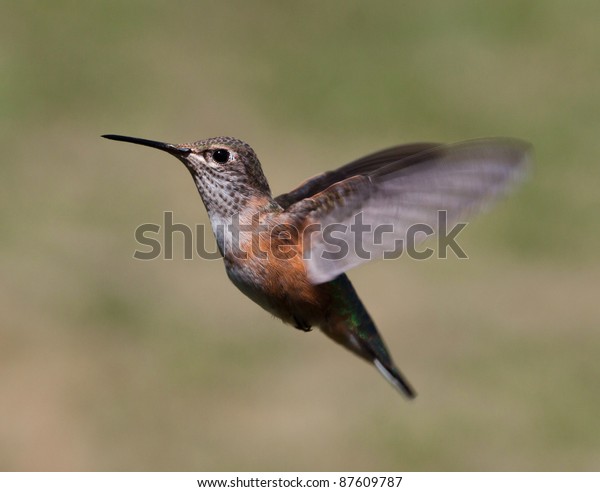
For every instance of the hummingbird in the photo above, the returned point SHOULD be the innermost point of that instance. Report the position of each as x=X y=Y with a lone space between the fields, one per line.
x=263 y=239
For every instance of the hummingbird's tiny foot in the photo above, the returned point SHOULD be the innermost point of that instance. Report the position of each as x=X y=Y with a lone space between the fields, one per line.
x=300 y=324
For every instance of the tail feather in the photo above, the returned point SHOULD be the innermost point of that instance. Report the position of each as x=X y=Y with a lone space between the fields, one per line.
x=396 y=379
x=350 y=325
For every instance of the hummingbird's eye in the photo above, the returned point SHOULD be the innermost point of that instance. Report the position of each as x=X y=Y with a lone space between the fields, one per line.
x=220 y=155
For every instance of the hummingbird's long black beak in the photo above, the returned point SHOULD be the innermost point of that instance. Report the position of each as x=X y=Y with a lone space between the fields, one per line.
x=167 y=147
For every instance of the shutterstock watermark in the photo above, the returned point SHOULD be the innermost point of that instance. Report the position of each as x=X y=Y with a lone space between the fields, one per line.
x=258 y=236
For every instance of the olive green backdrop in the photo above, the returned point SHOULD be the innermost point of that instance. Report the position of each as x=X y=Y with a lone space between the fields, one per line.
x=109 y=363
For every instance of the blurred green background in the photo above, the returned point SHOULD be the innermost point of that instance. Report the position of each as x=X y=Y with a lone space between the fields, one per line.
x=108 y=363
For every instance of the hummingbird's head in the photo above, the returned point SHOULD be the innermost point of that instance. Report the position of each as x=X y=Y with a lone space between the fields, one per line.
x=225 y=169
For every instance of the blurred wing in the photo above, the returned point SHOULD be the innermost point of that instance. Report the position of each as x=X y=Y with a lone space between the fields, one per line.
x=362 y=166
x=460 y=179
